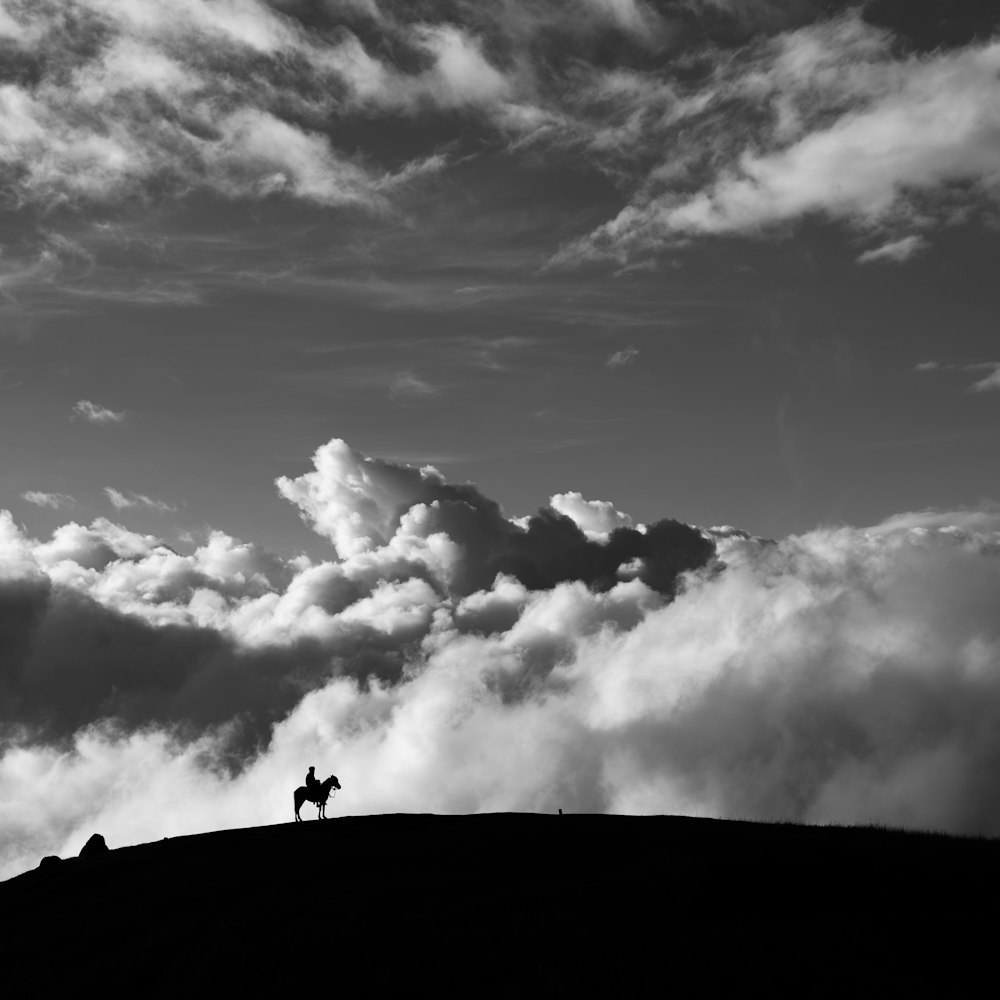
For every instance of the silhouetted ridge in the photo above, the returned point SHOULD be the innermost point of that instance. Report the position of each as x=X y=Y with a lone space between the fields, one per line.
x=504 y=904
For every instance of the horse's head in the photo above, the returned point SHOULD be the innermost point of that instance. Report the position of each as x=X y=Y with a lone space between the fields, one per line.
x=333 y=782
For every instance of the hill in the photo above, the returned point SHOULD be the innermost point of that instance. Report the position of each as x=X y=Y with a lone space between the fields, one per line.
x=498 y=904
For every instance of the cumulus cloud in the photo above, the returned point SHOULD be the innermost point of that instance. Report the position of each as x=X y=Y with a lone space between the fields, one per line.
x=54 y=500
x=390 y=517
x=84 y=409
x=126 y=501
x=447 y=658
x=596 y=518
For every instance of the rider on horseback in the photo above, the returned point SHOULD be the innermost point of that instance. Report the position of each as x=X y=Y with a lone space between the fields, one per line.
x=312 y=782
x=315 y=791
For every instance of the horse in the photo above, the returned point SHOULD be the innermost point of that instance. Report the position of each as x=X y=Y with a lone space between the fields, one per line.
x=320 y=796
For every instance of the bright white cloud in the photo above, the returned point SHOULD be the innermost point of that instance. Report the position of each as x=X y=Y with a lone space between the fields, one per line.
x=353 y=500
x=594 y=517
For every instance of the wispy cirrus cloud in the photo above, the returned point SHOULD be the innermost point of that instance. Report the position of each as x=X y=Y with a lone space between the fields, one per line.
x=410 y=386
x=986 y=383
x=55 y=501
x=835 y=121
x=623 y=357
x=990 y=382
x=895 y=251
x=94 y=413
x=256 y=101
x=224 y=98
x=132 y=501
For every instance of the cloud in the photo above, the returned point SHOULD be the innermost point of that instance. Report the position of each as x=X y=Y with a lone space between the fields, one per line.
x=838 y=123
x=237 y=99
x=596 y=518
x=105 y=625
x=95 y=414
x=407 y=385
x=895 y=251
x=632 y=16
x=56 y=501
x=987 y=383
x=623 y=357
x=123 y=501
x=390 y=519
x=760 y=117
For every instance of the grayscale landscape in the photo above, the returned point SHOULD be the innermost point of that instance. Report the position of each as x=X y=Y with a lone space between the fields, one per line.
x=573 y=424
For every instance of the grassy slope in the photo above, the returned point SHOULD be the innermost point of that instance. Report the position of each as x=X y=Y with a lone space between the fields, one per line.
x=511 y=902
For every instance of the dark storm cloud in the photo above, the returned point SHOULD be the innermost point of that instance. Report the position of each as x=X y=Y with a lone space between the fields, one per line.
x=551 y=548
x=400 y=510
x=70 y=661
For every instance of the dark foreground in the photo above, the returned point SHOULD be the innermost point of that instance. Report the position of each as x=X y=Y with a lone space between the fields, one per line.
x=509 y=904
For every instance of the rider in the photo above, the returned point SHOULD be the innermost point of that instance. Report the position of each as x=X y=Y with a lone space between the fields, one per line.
x=312 y=782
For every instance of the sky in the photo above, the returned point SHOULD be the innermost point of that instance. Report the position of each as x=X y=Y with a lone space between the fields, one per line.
x=544 y=403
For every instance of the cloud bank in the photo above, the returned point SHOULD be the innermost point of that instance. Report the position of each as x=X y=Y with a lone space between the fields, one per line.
x=448 y=658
